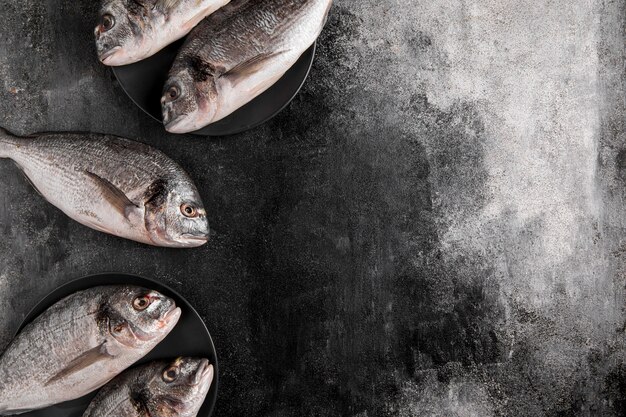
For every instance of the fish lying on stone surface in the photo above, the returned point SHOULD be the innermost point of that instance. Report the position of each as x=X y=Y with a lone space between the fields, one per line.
x=173 y=389
x=113 y=185
x=81 y=343
x=131 y=30
x=236 y=54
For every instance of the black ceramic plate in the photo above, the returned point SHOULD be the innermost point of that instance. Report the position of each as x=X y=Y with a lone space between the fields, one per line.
x=190 y=337
x=144 y=80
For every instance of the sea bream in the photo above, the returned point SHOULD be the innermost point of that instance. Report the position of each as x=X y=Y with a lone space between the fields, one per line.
x=173 y=389
x=236 y=54
x=81 y=343
x=131 y=30
x=113 y=185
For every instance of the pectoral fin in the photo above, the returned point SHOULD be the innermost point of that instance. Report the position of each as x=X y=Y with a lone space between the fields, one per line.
x=166 y=5
x=251 y=66
x=84 y=361
x=113 y=195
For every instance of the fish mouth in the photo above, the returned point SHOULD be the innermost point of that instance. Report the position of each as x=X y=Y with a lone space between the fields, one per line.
x=172 y=125
x=105 y=56
x=188 y=122
x=170 y=316
x=202 y=238
x=204 y=373
x=194 y=240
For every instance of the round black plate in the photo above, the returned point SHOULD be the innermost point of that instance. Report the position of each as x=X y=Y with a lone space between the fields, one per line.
x=190 y=337
x=144 y=80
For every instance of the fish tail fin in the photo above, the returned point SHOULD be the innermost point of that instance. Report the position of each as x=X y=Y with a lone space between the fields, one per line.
x=8 y=143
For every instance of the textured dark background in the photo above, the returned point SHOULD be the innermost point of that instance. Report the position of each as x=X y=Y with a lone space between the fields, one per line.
x=434 y=227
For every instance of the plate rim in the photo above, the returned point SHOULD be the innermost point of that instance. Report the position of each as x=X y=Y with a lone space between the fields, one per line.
x=312 y=49
x=104 y=275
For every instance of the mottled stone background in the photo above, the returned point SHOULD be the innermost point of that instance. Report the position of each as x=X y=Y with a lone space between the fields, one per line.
x=434 y=227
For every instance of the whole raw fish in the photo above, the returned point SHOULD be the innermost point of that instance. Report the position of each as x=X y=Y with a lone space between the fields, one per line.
x=81 y=343
x=172 y=389
x=113 y=185
x=131 y=30
x=236 y=54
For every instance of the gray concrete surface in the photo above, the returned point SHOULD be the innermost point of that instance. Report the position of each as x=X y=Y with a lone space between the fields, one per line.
x=434 y=227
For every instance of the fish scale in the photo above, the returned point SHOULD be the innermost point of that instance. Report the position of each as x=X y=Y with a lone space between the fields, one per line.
x=236 y=54
x=143 y=27
x=143 y=391
x=40 y=366
x=104 y=182
x=267 y=22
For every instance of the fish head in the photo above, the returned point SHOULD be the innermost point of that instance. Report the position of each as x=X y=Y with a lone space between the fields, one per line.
x=175 y=215
x=136 y=317
x=121 y=31
x=190 y=97
x=179 y=388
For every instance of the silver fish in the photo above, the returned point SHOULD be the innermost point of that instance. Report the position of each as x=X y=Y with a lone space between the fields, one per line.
x=131 y=30
x=164 y=389
x=236 y=54
x=81 y=343
x=113 y=185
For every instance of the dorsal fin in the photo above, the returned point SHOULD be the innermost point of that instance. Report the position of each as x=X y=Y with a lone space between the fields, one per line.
x=8 y=143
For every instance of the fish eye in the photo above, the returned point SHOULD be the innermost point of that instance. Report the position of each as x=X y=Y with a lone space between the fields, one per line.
x=172 y=93
x=170 y=374
x=188 y=210
x=141 y=303
x=108 y=21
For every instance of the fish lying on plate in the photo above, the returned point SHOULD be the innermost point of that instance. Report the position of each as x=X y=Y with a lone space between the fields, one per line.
x=81 y=343
x=173 y=389
x=236 y=54
x=132 y=30
x=113 y=185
